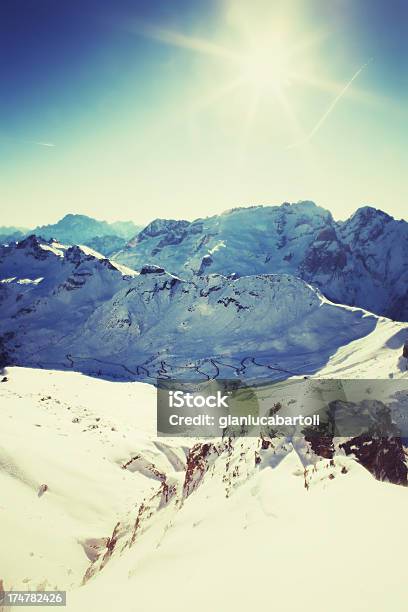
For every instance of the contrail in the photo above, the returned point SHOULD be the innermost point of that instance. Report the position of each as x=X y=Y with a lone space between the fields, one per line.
x=331 y=107
x=40 y=144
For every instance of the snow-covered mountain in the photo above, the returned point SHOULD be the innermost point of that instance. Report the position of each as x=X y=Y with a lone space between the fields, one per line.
x=11 y=234
x=101 y=236
x=360 y=262
x=78 y=229
x=54 y=286
x=71 y=308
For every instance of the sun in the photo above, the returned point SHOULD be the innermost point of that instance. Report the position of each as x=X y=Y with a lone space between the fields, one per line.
x=266 y=67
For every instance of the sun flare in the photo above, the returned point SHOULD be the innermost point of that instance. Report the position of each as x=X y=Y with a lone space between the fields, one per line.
x=257 y=67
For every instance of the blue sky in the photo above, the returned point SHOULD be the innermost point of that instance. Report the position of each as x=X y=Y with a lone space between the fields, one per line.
x=128 y=109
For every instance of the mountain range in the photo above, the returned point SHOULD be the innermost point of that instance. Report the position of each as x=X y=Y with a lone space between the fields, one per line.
x=102 y=236
x=362 y=261
x=71 y=308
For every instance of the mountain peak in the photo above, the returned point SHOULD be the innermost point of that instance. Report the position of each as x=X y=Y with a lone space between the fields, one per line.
x=370 y=212
x=70 y=216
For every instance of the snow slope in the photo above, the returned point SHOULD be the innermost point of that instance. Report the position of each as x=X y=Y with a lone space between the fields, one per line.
x=73 y=434
x=262 y=539
x=129 y=522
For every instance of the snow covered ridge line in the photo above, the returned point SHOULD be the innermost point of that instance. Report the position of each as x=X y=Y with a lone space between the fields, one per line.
x=230 y=470
x=362 y=261
x=37 y=247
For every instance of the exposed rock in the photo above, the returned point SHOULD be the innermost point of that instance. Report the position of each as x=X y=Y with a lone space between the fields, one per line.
x=199 y=459
x=152 y=270
x=43 y=488
x=383 y=457
x=205 y=263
